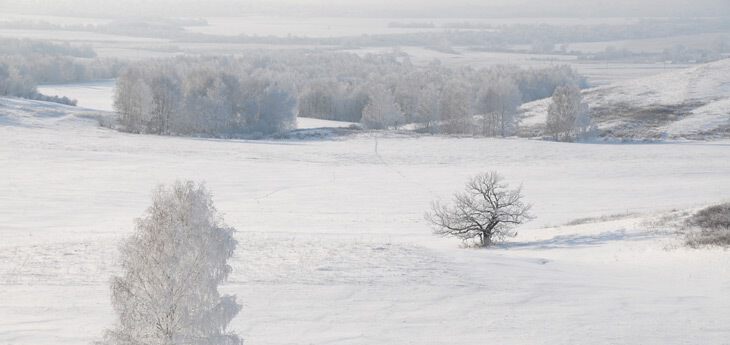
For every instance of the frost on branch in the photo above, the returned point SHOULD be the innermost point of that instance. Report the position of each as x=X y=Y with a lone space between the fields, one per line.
x=172 y=266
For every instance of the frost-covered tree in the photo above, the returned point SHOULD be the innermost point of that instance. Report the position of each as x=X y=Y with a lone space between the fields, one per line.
x=429 y=108
x=25 y=63
x=568 y=117
x=211 y=103
x=270 y=105
x=207 y=98
x=487 y=210
x=4 y=79
x=166 y=94
x=262 y=92
x=171 y=267
x=133 y=100
x=498 y=103
x=456 y=107
x=406 y=92
x=279 y=108
x=317 y=99
x=381 y=110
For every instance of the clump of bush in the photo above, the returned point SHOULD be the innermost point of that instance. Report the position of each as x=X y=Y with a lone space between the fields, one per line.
x=710 y=227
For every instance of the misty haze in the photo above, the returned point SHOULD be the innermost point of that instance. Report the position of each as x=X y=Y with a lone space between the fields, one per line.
x=364 y=172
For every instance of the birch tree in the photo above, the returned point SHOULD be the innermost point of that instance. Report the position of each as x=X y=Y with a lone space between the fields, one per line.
x=167 y=293
x=568 y=116
x=381 y=110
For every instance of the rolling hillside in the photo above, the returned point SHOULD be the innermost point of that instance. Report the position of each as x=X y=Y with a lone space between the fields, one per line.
x=692 y=104
x=333 y=245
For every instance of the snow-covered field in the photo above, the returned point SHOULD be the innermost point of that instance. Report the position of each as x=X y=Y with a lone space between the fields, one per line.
x=59 y=20
x=75 y=36
x=333 y=245
x=283 y=26
x=303 y=26
x=654 y=45
x=93 y=95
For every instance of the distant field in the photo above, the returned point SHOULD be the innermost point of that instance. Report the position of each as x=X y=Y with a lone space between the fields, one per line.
x=597 y=73
x=74 y=36
x=59 y=20
x=355 y=26
x=135 y=48
x=654 y=45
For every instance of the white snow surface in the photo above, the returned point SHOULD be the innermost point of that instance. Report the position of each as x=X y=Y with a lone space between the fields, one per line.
x=312 y=123
x=705 y=87
x=703 y=119
x=333 y=245
x=93 y=95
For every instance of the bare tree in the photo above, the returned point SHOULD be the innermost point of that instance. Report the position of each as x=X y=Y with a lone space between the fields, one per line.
x=487 y=210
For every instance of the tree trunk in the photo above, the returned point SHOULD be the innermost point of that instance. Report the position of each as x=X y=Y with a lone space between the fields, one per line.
x=500 y=122
x=484 y=238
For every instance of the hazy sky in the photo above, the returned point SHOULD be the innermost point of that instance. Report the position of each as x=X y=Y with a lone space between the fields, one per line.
x=385 y=8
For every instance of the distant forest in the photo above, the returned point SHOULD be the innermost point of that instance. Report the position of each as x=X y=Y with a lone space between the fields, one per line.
x=26 y=63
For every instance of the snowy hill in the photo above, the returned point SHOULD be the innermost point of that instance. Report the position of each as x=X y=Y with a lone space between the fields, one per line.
x=38 y=114
x=692 y=103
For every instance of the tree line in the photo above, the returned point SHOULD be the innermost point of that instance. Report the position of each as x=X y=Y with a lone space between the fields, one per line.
x=204 y=96
x=263 y=92
x=24 y=64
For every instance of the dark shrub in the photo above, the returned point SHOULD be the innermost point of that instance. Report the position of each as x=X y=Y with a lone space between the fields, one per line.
x=712 y=226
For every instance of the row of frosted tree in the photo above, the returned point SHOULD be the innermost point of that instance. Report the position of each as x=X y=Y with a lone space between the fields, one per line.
x=205 y=96
x=264 y=93
x=26 y=63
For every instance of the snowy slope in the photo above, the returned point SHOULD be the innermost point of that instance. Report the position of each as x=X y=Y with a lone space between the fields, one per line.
x=333 y=245
x=692 y=103
x=92 y=95
x=29 y=113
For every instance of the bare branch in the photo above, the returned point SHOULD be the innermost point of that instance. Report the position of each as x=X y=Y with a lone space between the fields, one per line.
x=487 y=210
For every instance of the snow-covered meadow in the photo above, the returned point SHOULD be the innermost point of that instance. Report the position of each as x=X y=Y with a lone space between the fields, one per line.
x=334 y=247
x=97 y=95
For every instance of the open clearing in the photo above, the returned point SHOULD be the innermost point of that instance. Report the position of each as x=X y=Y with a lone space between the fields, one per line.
x=333 y=245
